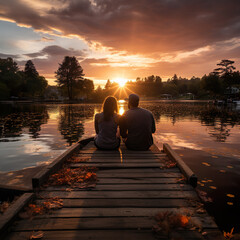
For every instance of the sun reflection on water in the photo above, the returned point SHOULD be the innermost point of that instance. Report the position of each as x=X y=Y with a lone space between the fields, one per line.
x=121 y=110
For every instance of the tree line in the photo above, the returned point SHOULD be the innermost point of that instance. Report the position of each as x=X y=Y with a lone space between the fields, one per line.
x=72 y=85
x=217 y=84
x=20 y=84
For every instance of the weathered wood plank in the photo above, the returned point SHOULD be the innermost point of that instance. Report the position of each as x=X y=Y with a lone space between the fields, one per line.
x=140 y=170
x=117 y=165
x=122 y=158
x=132 y=180
x=135 y=161
x=120 y=194
x=85 y=223
x=107 y=223
x=190 y=176
x=130 y=187
x=139 y=175
x=114 y=212
x=42 y=175
x=118 y=235
x=89 y=234
x=7 y=218
x=117 y=153
x=119 y=203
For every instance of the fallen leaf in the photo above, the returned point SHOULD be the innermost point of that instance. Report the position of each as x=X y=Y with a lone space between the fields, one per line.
x=229 y=166
x=228 y=235
x=37 y=235
x=230 y=195
x=223 y=171
x=206 y=164
x=212 y=187
x=230 y=203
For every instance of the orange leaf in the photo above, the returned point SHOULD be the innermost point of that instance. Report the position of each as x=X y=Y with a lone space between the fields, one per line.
x=37 y=235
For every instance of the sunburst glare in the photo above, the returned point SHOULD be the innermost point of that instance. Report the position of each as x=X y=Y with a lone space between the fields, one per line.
x=121 y=81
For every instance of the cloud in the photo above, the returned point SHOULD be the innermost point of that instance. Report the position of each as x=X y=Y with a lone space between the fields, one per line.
x=14 y=56
x=133 y=38
x=45 y=39
x=54 y=51
x=47 y=60
x=136 y=26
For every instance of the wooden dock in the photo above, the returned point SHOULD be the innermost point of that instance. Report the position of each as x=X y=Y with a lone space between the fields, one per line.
x=132 y=187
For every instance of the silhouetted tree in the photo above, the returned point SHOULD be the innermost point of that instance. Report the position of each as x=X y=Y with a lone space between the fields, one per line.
x=30 y=69
x=10 y=78
x=226 y=67
x=35 y=85
x=212 y=83
x=68 y=74
x=225 y=71
x=108 y=84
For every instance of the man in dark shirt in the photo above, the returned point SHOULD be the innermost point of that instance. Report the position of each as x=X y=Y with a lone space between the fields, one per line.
x=137 y=125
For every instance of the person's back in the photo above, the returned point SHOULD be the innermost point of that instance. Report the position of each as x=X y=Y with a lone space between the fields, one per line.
x=137 y=126
x=106 y=138
x=106 y=124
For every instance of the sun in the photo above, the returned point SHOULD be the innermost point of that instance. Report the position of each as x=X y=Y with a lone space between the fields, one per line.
x=121 y=81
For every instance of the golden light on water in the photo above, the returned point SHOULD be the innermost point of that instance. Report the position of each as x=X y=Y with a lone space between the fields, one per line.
x=121 y=81
x=121 y=110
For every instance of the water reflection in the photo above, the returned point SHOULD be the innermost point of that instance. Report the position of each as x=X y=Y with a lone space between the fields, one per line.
x=45 y=130
x=219 y=121
x=22 y=119
x=71 y=121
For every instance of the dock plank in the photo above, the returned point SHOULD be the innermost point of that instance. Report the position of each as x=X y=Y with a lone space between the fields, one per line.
x=124 y=174
x=132 y=180
x=89 y=234
x=129 y=187
x=104 y=223
x=110 y=203
x=118 y=165
x=140 y=170
x=120 y=194
x=114 y=212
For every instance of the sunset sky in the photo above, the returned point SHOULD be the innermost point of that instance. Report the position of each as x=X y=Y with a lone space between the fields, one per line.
x=122 y=38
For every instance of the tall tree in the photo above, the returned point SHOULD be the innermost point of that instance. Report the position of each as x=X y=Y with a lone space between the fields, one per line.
x=225 y=71
x=108 y=84
x=30 y=69
x=212 y=83
x=10 y=78
x=35 y=85
x=226 y=67
x=68 y=74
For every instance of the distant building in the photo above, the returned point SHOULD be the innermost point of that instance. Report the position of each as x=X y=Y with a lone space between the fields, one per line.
x=232 y=91
x=166 y=96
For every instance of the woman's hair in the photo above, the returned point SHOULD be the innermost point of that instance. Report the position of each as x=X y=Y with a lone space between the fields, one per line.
x=110 y=106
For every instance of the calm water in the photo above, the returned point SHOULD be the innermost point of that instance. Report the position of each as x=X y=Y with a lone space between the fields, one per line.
x=206 y=137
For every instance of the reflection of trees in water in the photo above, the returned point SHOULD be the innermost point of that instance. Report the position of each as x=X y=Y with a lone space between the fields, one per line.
x=14 y=118
x=219 y=132
x=71 y=121
x=218 y=120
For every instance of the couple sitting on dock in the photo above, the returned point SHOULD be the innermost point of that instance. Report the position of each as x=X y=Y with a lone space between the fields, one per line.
x=135 y=126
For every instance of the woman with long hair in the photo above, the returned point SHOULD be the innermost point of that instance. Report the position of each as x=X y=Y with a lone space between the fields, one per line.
x=106 y=125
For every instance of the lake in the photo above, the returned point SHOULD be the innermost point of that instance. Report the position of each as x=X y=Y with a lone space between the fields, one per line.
x=205 y=136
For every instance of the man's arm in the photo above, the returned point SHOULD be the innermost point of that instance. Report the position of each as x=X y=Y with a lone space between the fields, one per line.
x=123 y=126
x=153 y=125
